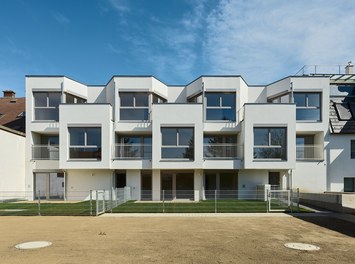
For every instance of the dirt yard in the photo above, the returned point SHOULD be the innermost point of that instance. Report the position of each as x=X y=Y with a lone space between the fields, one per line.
x=176 y=240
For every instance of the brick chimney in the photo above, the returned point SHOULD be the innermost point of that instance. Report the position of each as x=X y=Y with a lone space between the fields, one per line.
x=349 y=69
x=9 y=94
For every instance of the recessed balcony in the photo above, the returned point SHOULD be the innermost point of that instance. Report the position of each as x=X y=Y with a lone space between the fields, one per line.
x=45 y=152
x=132 y=151
x=309 y=153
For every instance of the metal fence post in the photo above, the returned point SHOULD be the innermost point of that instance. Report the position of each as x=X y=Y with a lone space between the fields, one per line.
x=103 y=201
x=298 y=200
x=215 y=201
x=39 y=202
x=97 y=203
x=111 y=200
x=267 y=200
x=163 y=201
x=91 y=202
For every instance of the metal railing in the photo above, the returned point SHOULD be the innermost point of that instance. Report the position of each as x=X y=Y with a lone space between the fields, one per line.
x=270 y=152
x=321 y=69
x=132 y=151
x=45 y=152
x=222 y=151
x=309 y=152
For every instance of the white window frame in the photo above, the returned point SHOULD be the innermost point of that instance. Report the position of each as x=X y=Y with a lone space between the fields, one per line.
x=44 y=107
x=178 y=143
x=85 y=144
x=270 y=146
x=134 y=104
x=220 y=107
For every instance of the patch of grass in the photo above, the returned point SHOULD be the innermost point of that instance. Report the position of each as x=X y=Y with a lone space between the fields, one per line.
x=208 y=206
x=65 y=209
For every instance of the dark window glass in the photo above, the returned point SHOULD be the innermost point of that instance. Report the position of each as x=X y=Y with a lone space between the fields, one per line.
x=353 y=149
x=47 y=114
x=308 y=114
x=220 y=106
x=127 y=99
x=77 y=136
x=308 y=106
x=213 y=99
x=85 y=153
x=169 y=137
x=40 y=99
x=54 y=99
x=313 y=100
x=177 y=143
x=261 y=137
x=349 y=184
x=300 y=99
x=69 y=99
x=93 y=136
x=270 y=143
x=134 y=114
x=141 y=99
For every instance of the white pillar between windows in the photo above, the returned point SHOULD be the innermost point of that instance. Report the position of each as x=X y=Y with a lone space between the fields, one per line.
x=156 y=185
x=198 y=184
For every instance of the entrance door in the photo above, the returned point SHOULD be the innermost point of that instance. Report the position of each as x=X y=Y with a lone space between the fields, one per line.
x=274 y=180
x=146 y=181
x=167 y=186
x=49 y=185
x=184 y=186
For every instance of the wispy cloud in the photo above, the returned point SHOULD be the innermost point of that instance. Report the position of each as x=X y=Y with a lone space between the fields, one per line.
x=119 y=5
x=262 y=39
x=61 y=19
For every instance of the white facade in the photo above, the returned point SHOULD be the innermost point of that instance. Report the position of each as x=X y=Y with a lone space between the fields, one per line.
x=12 y=168
x=215 y=133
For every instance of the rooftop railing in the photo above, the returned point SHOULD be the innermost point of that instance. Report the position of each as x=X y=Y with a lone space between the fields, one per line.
x=321 y=69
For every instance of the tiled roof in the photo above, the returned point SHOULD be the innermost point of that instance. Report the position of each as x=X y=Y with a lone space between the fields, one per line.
x=342 y=117
x=10 y=109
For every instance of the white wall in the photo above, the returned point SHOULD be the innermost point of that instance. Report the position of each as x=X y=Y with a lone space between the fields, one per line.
x=177 y=94
x=12 y=169
x=340 y=164
x=310 y=176
x=269 y=115
x=80 y=182
x=96 y=94
x=133 y=178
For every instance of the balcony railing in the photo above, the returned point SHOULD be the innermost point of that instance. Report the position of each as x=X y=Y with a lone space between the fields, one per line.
x=45 y=152
x=309 y=152
x=270 y=153
x=222 y=151
x=133 y=151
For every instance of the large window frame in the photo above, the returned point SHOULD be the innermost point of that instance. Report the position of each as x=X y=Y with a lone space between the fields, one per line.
x=73 y=99
x=84 y=150
x=271 y=148
x=308 y=105
x=220 y=105
x=127 y=108
x=171 y=145
x=49 y=104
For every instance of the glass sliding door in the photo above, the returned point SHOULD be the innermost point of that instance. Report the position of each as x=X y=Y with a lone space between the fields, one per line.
x=49 y=185
x=146 y=190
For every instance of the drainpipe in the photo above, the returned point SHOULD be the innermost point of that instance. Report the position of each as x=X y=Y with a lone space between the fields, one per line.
x=291 y=88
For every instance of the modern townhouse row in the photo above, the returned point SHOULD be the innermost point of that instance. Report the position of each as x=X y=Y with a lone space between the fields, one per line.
x=215 y=133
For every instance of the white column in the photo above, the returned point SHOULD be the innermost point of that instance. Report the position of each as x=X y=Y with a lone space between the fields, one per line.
x=198 y=184
x=156 y=185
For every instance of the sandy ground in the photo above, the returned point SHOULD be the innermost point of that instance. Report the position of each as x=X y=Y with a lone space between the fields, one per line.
x=176 y=240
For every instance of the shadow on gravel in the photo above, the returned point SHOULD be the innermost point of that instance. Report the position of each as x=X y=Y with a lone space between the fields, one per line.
x=337 y=225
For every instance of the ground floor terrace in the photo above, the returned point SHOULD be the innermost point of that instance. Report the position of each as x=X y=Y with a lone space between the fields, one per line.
x=158 y=185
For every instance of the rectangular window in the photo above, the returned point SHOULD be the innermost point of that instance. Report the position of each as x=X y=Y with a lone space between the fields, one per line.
x=349 y=184
x=220 y=106
x=46 y=106
x=133 y=147
x=72 y=99
x=85 y=143
x=177 y=143
x=308 y=106
x=134 y=106
x=270 y=143
x=352 y=154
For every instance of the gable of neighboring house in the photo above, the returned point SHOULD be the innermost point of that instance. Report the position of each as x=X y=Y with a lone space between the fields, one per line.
x=12 y=112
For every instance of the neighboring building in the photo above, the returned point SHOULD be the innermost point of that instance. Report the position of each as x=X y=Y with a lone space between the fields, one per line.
x=12 y=169
x=12 y=111
x=215 y=133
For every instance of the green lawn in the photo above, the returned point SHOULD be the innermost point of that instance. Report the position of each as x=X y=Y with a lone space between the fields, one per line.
x=80 y=208
x=209 y=206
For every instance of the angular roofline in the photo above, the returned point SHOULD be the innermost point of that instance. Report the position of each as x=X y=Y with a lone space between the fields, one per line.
x=222 y=76
x=297 y=76
x=12 y=131
x=54 y=76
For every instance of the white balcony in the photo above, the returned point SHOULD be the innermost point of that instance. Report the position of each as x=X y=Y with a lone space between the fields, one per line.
x=309 y=153
x=132 y=151
x=45 y=152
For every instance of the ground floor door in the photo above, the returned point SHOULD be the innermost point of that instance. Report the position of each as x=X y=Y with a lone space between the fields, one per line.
x=274 y=180
x=146 y=186
x=49 y=185
x=177 y=185
x=223 y=184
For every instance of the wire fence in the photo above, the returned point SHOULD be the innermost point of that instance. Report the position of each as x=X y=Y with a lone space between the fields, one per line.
x=97 y=202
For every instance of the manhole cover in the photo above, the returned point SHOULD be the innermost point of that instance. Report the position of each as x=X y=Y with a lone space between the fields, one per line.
x=33 y=245
x=302 y=246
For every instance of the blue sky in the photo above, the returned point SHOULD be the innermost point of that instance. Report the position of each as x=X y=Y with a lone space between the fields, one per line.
x=175 y=40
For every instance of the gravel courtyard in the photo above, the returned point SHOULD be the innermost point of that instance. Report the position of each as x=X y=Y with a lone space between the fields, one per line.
x=176 y=239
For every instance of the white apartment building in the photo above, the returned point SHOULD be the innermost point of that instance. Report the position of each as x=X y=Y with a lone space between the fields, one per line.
x=215 y=133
